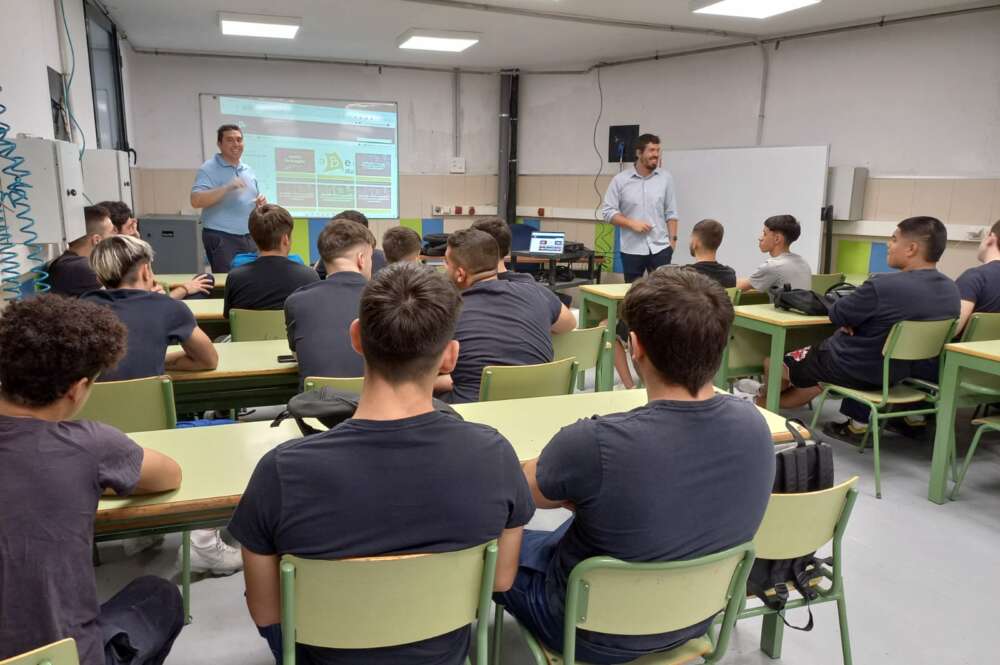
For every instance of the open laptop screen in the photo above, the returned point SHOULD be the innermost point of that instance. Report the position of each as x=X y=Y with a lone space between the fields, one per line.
x=543 y=242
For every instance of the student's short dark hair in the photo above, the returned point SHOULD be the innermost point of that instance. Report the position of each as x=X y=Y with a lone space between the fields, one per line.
x=474 y=250
x=786 y=225
x=407 y=314
x=94 y=217
x=354 y=216
x=400 y=242
x=226 y=128
x=268 y=224
x=118 y=211
x=682 y=319
x=644 y=140
x=340 y=236
x=710 y=232
x=929 y=232
x=49 y=342
x=497 y=228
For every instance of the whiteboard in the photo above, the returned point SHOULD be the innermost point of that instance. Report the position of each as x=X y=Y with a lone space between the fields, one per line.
x=741 y=187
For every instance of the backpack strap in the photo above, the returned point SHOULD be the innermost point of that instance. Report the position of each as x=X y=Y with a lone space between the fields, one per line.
x=824 y=461
x=801 y=455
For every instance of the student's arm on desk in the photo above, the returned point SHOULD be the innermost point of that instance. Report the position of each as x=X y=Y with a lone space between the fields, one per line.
x=541 y=501
x=855 y=308
x=743 y=284
x=565 y=322
x=443 y=384
x=198 y=353
x=159 y=473
x=260 y=572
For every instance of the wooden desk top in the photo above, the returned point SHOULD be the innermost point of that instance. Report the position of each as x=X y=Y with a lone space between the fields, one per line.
x=206 y=309
x=610 y=291
x=175 y=279
x=242 y=360
x=218 y=461
x=987 y=350
x=779 y=317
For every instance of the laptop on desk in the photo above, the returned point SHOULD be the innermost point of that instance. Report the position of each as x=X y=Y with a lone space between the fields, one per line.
x=547 y=242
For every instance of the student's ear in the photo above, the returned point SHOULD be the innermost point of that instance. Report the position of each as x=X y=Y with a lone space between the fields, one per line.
x=638 y=350
x=355 y=332
x=449 y=358
x=146 y=274
x=78 y=393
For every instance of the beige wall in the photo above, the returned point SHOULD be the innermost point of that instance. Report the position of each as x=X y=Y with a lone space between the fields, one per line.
x=953 y=200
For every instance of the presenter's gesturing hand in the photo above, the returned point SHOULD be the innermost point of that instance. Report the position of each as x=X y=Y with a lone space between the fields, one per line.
x=639 y=226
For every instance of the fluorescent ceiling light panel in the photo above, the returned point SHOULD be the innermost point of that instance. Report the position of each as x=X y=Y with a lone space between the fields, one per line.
x=748 y=8
x=437 y=40
x=255 y=25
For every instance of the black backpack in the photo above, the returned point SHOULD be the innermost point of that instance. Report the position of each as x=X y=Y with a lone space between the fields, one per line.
x=802 y=301
x=435 y=244
x=799 y=467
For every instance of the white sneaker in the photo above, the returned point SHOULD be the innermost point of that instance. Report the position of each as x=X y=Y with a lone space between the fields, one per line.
x=748 y=386
x=213 y=555
x=132 y=546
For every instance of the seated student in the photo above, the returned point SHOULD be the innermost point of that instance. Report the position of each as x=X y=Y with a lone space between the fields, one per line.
x=53 y=474
x=686 y=475
x=782 y=267
x=337 y=494
x=980 y=286
x=121 y=217
x=70 y=274
x=378 y=256
x=852 y=357
x=268 y=280
x=401 y=243
x=502 y=322
x=318 y=315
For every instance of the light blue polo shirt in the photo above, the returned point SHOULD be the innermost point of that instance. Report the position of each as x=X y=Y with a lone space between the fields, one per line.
x=232 y=213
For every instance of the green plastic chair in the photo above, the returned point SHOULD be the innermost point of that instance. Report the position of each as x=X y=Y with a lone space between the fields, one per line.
x=982 y=327
x=795 y=525
x=734 y=295
x=907 y=340
x=607 y=595
x=823 y=281
x=386 y=601
x=517 y=381
x=991 y=424
x=138 y=405
x=352 y=384
x=62 y=652
x=255 y=325
x=584 y=344
x=979 y=388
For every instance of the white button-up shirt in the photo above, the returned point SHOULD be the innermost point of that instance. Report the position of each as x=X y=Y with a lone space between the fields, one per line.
x=651 y=199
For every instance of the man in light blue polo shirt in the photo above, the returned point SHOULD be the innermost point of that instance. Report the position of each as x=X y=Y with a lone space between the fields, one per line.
x=225 y=190
x=642 y=201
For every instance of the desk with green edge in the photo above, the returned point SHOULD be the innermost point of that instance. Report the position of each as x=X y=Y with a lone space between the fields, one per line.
x=170 y=280
x=978 y=356
x=248 y=374
x=600 y=301
x=783 y=331
x=208 y=313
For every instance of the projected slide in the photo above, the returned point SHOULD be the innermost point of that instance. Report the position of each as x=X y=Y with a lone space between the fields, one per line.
x=316 y=158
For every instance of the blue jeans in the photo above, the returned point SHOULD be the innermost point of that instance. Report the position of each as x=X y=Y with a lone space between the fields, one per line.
x=140 y=622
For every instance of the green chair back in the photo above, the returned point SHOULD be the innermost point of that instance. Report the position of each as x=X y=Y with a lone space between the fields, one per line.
x=518 y=381
x=62 y=652
x=796 y=524
x=352 y=384
x=584 y=344
x=386 y=601
x=754 y=298
x=607 y=595
x=823 y=281
x=982 y=327
x=138 y=405
x=734 y=295
x=917 y=340
x=255 y=325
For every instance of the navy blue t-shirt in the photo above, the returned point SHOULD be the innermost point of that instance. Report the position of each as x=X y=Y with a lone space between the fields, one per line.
x=71 y=275
x=503 y=322
x=981 y=285
x=318 y=319
x=875 y=307
x=265 y=283
x=154 y=322
x=511 y=276
x=430 y=483
x=666 y=481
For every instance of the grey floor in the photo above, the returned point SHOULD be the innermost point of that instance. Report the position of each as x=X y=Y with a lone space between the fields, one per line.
x=920 y=578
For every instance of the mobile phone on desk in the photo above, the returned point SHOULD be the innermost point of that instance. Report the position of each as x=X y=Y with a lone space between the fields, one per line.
x=286 y=358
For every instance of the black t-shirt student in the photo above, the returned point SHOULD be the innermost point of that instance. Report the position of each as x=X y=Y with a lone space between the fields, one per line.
x=430 y=483
x=724 y=275
x=666 y=481
x=378 y=262
x=523 y=277
x=871 y=311
x=318 y=317
x=981 y=285
x=154 y=322
x=51 y=478
x=503 y=322
x=265 y=283
x=71 y=275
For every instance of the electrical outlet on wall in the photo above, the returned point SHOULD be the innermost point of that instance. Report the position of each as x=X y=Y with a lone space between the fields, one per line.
x=456 y=165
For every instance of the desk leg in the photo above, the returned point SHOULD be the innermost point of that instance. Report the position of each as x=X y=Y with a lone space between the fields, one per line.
x=775 y=370
x=944 y=437
x=186 y=575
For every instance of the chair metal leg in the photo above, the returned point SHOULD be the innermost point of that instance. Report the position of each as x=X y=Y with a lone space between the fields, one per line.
x=497 y=634
x=845 y=637
x=186 y=575
x=772 y=630
x=819 y=408
x=967 y=462
x=875 y=428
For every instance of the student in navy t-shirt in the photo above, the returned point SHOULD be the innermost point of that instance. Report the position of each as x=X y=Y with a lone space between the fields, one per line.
x=688 y=474
x=398 y=478
x=503 y=322
x=979 y=287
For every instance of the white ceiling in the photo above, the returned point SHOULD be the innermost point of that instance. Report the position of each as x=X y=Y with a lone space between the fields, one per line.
x=367 y=29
